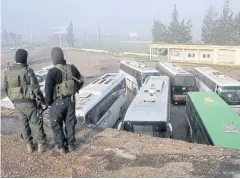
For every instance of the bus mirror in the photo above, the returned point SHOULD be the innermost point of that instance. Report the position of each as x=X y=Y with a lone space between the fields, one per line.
x=120 y=126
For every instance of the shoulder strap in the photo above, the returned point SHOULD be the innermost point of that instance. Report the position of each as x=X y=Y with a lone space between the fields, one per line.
x=63 y=70
x=61 y=67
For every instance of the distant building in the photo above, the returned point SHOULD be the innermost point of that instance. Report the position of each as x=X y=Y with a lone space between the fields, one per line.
x=133 y=34
x=205 y=54
x=59 y=30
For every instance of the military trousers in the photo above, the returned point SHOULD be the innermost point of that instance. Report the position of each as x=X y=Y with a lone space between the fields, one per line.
x=31 y=124
x=62 y=112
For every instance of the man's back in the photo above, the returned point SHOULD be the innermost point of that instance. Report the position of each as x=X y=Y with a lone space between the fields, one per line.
x=54 y=78
x=27 y=79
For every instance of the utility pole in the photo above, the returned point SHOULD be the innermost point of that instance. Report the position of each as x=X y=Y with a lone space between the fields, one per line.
x=60 y=39
x=84 y=37
x=31 y=35
x=99 y=37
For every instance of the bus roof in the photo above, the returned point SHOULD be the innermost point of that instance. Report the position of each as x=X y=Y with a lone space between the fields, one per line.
x=216 y=115
x=147 y=108
x=95 y=91
x=217 y=77
x=175 y=69
x=138 y=66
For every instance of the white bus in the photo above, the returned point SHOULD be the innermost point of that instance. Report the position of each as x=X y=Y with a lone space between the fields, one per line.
x=149 y=113
x=136 y=73
x=102 y=102
x=226 y=87
x=181 y=81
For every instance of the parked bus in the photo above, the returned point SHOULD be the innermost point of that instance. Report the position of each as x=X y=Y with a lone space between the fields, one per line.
x=136 y=73
x=149 y=113
x=102 y=102
x=42 y=74
x=211 y=121
x=226 y=87
x=181 y=81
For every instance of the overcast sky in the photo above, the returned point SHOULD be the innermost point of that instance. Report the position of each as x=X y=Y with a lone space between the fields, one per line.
x=114 y=16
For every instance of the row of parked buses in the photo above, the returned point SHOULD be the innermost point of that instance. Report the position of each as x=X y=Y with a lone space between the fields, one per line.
x=210 y=118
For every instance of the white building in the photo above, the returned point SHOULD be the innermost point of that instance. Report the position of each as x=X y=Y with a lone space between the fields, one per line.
x=205 y=54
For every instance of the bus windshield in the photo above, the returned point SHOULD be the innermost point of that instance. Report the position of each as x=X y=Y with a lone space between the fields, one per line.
x=154 y=130
x=230 y=94
x=181 y=90
x=145 y=75
x=184 y=81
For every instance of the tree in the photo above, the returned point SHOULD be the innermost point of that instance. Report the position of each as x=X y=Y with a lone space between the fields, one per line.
x=185 y=32
x=209 y=27
x=159 y=31
x=175 y=33
x=12 y=36
x=225 y=28
x=236 y=33
x=179 y=32
x=5 y=36
x=173 y=29
x=70 y=35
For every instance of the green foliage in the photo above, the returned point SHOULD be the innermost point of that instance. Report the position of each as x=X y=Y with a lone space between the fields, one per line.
x=159 y=31
x=70 y=35
x=10 y=36
x=222 y=30
x=236 y=32
x=225 y=26
x=209 y=26
x=176 y=32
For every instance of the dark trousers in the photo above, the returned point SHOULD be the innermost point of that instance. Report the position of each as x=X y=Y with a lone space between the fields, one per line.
x=63 y=111
x=31 y=124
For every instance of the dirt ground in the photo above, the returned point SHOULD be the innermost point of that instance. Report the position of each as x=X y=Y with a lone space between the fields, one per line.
x=110 y=153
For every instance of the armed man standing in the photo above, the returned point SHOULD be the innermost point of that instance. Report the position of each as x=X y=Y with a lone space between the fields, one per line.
x=22 y=87
x=62 y=83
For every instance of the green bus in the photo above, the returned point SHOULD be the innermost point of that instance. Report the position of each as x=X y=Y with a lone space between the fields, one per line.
x=211 y=121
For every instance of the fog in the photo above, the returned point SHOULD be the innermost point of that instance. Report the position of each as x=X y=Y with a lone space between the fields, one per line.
x=113 y=16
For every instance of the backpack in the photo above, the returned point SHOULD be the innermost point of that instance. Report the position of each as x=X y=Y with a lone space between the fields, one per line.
x=67 y=87
x=19 y=84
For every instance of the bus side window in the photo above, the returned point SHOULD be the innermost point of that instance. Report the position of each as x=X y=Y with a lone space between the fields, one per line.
x=104 y=106
x=124 y=67
x=89 y=118
x=213 y=86
x=96 y=114
x=133 y=72
x=121 y=67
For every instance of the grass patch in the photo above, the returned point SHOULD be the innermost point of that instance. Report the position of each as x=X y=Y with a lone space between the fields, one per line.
x=117 y=46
